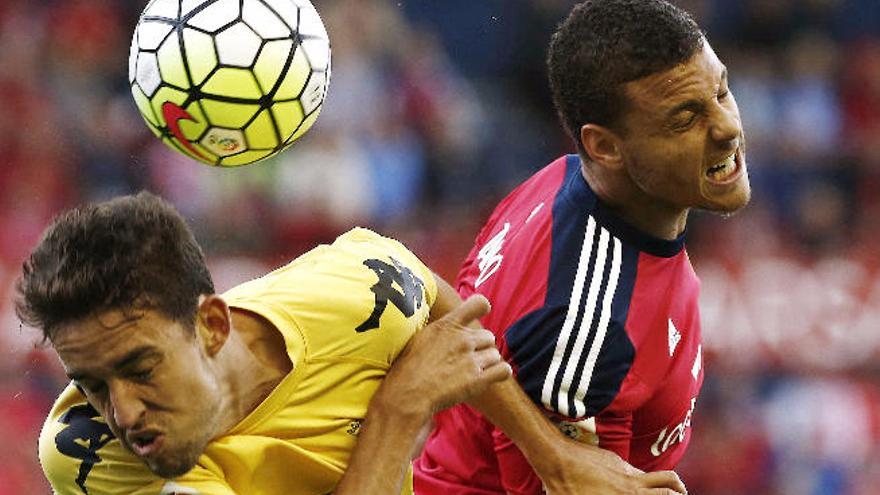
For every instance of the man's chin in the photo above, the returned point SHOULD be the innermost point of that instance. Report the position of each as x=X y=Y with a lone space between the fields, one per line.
x=730 y=205
x=170 y=468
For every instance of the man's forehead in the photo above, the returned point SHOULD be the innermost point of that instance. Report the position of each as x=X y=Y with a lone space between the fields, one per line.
x=101 y=340
x=118 y=361
x=702 y=72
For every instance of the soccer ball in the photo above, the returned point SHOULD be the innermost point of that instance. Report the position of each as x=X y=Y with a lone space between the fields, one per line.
x=229 y=82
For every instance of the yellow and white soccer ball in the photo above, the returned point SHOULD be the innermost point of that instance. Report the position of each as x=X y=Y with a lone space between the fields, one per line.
x=229 y=82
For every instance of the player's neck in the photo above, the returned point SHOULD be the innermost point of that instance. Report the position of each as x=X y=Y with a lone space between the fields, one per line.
x=637 y=209
x=255 y=365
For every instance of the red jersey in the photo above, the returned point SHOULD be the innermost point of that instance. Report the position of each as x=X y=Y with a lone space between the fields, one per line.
x=600 y=323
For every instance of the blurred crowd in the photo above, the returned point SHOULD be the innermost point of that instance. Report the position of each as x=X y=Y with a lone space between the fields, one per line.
x=435 y=111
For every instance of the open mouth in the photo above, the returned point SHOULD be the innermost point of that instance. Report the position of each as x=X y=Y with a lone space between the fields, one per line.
x=146 y=444
x=725 y=170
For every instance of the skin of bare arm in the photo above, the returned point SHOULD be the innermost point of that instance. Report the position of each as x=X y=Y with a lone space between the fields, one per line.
x=444 y=364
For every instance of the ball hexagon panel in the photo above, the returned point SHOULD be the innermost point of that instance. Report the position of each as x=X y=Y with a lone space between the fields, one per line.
x=147 y=73
x=150 y=34
x=215 y=16
x=228 y=82
x=317 y=51
x=143 y=104
x=285 y=9
x=200 y=55
x=271 y=62
x=163 y=8
x=303 y=127
x=295 y=77
x=310 y=25
x=225 y=114
x=313 y=94
x=288 y=115
x=261 y=132
x=224 y=142
x=171 y=66
x=238 y=45
x=244 y=158
x=132 y=58
x=264 y=21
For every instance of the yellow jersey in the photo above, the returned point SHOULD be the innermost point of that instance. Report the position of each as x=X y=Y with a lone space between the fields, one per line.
x=346 y=311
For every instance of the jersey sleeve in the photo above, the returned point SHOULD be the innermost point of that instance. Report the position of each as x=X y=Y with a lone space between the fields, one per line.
x=362 y=297
x=517 y=475
x=571 y=364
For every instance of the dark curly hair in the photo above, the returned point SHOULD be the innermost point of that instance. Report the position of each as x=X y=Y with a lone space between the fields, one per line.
x=132 y=252
x=606 y=43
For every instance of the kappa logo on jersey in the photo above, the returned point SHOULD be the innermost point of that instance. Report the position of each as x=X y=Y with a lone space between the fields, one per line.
x=489 y=256
x=82 y=438
x=172 y=488
x=407 y=301
x=675 y=436
x=674 y=337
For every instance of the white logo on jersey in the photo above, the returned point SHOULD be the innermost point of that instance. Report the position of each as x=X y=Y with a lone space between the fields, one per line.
x=677 y=434
x=698 y=362
x=535 y=211
x=489 y=256
x=674 y=337
x=172 y=488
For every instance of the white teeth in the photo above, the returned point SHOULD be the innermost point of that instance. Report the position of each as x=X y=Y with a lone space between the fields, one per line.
x=724 y=169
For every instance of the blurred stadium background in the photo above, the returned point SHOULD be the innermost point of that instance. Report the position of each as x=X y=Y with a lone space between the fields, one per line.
x=435 y=111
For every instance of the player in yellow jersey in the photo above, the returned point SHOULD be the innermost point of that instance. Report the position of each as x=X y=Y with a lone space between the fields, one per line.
x=265 y=389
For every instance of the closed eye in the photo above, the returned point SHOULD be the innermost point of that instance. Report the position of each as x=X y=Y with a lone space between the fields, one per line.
x=685 y=122
x=94 y=388
x=141 y=376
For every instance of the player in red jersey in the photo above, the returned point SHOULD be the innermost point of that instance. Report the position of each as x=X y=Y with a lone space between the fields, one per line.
x=595 y=298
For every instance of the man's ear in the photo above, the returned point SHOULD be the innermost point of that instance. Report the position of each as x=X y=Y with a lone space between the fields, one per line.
x=602 y=146
x=213 y=322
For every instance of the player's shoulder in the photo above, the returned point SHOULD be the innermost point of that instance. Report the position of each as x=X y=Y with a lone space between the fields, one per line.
x=546 y=182
x=337 y=292
x=351 y=259
x=350 y=248
x=79 y=454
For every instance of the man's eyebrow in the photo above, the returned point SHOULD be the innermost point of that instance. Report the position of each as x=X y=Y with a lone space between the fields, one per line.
x=133 y=356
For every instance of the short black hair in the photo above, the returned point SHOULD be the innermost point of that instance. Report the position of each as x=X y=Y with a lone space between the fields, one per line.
x=131 y=252
x=606 y=43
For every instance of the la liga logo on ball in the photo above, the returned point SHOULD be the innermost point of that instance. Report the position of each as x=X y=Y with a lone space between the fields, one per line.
x=229 y=82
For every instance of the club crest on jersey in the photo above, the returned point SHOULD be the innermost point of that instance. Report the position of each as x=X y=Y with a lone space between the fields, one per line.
x=490 y=256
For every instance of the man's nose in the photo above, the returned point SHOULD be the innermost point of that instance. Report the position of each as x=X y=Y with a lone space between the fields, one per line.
x=726 y=126
x=127 y=408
